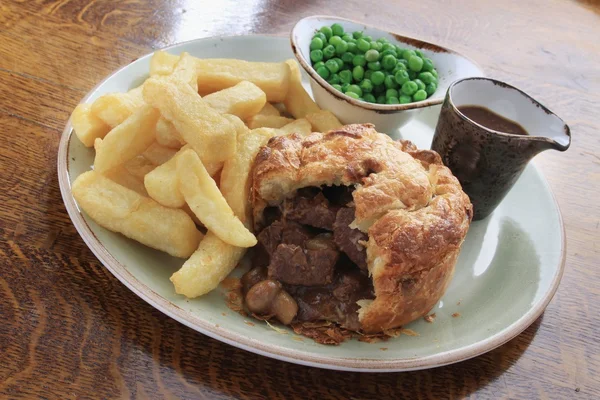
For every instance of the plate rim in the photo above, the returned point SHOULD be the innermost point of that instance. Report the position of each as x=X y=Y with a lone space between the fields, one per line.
x=269 y=350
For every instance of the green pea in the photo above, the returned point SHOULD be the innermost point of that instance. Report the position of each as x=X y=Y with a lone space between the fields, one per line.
x=346 y=36
x=363 y=45
x=399 y=65
x=399 y=50
x=345 y=87
x=357 y=35
x=369 y=98
x=358 y=73
x=409 y=88
x=434 y=73
x=415 y=63
x=391 y=100
x=337 y=29
x=316 y=55
x=404 y=99
x=372 y=55
x=318 y=65
x=352 y=48
x=356 y=89
x=366 y=86
x=335 y=40
x=378 y=89
x=359 y=59
x=419 y=95
x=388 y=46
x=382 y=40
x=403 y=62
x=334 y=79
x=406 y=54
x=401 y=77
x=346 y=76
x=388 y=62
x=368 y=38
x=332 y=66
x=316 y=44
x=321 y=36
x=389 y=53
x=346 y=66
x=375 y=66
x=426 y=77
x=326 y=31
x=419 y=83
x=347 y=57
x=353 y=95
x=427 y=64
x=412 y=74
x=377 y=77
x=341 y=48
x=368 y=74
x=323 y=72
x=418 y=53
x=328 y=52
x=336 y=87
x=391 y=93
x=339 y=62
x=431 y=88
x=390 y=82
x=381 y=99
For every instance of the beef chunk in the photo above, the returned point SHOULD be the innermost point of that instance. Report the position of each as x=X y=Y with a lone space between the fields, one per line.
x=347 y=239
x=335 y=302
x=293 y=265
x=313 y=211
x=282 y=232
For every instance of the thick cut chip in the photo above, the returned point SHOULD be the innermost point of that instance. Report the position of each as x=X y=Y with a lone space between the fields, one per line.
x=323 y=121
x=114 y=108
x=123 y=177
x=300 y=126
x=127 y=140
x=162 y=184
x=269 y=109
x=242 y=100
x=207 y=267
x=297 y=101
x=185 y=70
x=122 y=210
x=167 y=135
x=158 y=154
x=87 y=126
x=268 y=121
x=206 y=201
x=139 y=166
x=162 y=63
x=235 y=182
x=210 y=134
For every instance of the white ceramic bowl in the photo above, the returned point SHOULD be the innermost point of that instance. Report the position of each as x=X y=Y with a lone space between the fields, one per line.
x=387 y=118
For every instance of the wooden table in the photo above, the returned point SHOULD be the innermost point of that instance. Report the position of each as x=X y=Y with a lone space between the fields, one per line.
x=69 y=329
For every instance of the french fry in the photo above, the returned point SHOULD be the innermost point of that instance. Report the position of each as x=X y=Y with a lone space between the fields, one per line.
x=243 y=100
x=211 y=135
x=238 y=124
x=206 y=201
x=122 y=210
x=269 y=109
x=114 y=108
x=127 y=140
x=207 y=267
x=267 y=121
x=185 y=70
x=158 y=154
x=235 y=176
x=300 y=126
x=123 y=177
x=162 y=63
x=139 y=166
x=323 y=121
x=297 y=101
x=87 y=126
x=167 y=135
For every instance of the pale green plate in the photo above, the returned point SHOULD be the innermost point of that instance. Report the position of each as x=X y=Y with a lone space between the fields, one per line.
x=508 y=270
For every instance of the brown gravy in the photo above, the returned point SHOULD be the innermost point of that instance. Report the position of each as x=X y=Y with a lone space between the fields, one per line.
x=489 y=119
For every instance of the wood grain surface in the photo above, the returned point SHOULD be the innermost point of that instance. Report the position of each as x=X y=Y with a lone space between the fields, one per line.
x=69 y=329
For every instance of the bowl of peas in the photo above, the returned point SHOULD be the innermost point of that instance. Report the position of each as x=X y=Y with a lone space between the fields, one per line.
x=364 y=74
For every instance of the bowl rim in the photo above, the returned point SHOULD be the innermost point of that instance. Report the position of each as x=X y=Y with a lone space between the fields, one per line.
x=371 y=365
x=379 y=108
